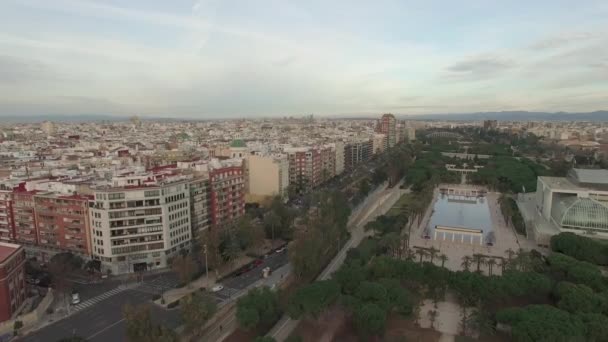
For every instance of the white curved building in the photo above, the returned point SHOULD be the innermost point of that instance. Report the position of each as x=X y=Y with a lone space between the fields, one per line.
x=577 y=203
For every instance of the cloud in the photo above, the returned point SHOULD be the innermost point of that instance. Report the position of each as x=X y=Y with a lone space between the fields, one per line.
x=478 y=68
x=16 y=70
x=564 y=39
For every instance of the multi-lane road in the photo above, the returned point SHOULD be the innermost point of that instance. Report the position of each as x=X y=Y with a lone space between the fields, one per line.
x=99 y=318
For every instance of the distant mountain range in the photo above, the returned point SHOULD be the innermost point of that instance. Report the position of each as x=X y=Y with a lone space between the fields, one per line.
x=597 y=116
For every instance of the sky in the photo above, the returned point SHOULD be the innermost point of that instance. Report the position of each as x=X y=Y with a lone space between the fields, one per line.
x=228 y=58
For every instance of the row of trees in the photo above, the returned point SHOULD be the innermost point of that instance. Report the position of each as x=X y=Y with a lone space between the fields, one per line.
x=511 y=213
x=322 y=236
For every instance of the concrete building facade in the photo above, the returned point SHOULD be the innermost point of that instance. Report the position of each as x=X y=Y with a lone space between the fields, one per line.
x=267 y=176
x=139 y=228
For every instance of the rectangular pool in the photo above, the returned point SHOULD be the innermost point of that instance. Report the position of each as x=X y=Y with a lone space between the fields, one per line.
x=470 y=213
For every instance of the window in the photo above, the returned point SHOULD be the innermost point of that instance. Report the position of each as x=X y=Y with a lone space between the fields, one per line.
x=116 y=196
x=151 y=193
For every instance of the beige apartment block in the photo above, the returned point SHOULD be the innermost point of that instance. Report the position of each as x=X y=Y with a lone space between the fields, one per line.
x=268 y=176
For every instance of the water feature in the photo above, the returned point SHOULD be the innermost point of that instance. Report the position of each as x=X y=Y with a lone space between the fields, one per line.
x=457 y=211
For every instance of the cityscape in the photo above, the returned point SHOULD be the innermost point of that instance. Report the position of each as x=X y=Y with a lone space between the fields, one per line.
x=289 y=171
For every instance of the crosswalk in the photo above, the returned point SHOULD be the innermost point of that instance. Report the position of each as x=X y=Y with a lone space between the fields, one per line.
x=226 y=293
x=158 y=285
x=87 y=303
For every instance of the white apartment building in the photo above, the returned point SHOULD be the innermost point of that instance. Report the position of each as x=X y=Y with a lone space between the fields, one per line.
x=139 y=228
x=267 y=176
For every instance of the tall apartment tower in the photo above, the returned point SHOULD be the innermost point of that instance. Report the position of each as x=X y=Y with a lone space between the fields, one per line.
x=388 y=125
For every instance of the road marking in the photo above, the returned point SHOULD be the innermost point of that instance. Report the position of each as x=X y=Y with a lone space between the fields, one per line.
x=104 y=329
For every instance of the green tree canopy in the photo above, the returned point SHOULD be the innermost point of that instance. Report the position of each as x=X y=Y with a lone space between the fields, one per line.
x=313 y=299
x=259 y=306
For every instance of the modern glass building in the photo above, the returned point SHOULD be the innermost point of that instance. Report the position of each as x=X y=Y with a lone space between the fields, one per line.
x=577 y=203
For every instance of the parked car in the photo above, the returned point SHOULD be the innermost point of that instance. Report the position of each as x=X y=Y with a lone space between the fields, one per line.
x=217 y=288
x=258 y=262
x=281 y=250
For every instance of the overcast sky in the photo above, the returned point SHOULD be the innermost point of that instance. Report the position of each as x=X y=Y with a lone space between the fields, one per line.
x=215 y=58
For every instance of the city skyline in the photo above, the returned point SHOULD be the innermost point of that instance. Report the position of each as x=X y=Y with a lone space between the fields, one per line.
x=212 y=59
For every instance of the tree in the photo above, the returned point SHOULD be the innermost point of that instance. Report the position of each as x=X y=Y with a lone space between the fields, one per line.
x=432 y=252
x=185 y=267
x=60 y=267
x=364 y=187
x=479 y=259
x=542 y=323
x=580 y=247
x=140 y=327
x=259 y=306
x=578 y=298
x=16 y=327
x=313 y=299
x=211 y=239
x=370 y=319
x=196 y=310
x=421 y=253
x=443 y=259
x=481 y=321
x=466 y=262
x=264 y=339
x=510 y=254
x=432 y=317
x=491 y=263
x=73 y=339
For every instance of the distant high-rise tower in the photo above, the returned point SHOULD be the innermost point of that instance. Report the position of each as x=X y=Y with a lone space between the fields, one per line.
x=388 y=125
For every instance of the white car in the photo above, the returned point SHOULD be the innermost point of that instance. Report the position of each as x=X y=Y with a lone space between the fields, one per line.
x=217 y=288
x=75 y=298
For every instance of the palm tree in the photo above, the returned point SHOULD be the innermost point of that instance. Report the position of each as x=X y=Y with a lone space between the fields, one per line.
x=421 y=253
x=466 y=262
x=433 y=253
x=522 y=260
x=432 y=317
x=443 y=259
x=510 y=253
x=491 y=263
x=410 y=255
x=503 y=264
x=479 y=259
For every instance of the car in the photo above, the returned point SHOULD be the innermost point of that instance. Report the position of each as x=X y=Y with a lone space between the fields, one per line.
x=217 y=288
x=281 y=250
x=75 y=298
x=258 y=262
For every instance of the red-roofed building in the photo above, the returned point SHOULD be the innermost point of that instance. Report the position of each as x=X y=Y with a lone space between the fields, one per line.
x=12 y=279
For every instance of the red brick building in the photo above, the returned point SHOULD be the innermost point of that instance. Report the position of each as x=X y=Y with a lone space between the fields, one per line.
x=7 y=224
x=63 y=222
x=309 y=167
x=24 y=217
x=12 y=279
x=227 y=194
